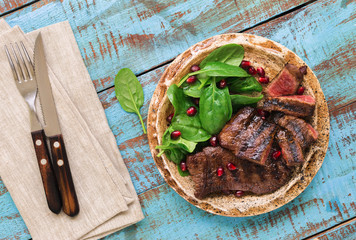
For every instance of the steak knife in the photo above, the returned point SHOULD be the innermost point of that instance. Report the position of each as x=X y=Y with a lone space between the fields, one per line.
x=53 y=132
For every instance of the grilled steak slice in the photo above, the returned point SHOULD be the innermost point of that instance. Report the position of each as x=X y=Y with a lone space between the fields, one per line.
x=257 y=142
x=302 y=131
x=292 y=152
x=297 y=105
x=287 y=81
x=247 y=177
x=230 y=133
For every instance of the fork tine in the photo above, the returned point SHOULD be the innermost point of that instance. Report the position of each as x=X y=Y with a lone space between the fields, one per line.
x=16 y=75
x=26 y=53
x=18 y=63
x=23 y=61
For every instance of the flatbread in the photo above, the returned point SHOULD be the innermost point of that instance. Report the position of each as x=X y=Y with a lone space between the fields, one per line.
x=272 y=57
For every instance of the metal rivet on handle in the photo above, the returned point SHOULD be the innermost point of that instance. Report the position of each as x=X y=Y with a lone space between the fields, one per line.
x=60 y=162
x=43 y=161
x=38 y=142
x=56 y=144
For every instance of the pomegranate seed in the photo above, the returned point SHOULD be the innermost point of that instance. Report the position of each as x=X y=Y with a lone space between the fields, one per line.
x=263 y=80
x=260 y=71
x=191 y=111
x=192 y=79
x=196 y=101
x=252 y=71
x=222 y=84
x=195 y=68
x=213 y=141
x=220 y=171
x=300 y=91
x=245 y=64
x=262 y=113
x=170 y=117
x=239 y=193
x=175 y=134
x=276 y=155
x=231 y=166
x=183 y=166
x=226 y=192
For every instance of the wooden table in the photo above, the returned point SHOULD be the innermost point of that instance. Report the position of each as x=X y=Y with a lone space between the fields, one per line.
x=146 y=36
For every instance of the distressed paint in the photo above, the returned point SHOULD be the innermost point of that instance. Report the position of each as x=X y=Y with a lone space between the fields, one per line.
x=322 y=205
x=11 y=5
x=345 y=231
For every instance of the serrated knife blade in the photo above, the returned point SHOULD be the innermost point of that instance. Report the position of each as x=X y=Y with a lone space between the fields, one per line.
x=51 y=127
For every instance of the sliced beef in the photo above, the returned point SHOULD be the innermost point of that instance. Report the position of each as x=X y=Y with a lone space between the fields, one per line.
x=230 y=133
x=292 y=152
x=297 y=105
x=287 y=82
x=302 y=131
x=247 y=177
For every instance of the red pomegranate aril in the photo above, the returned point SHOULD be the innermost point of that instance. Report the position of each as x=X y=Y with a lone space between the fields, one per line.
x=191 y=111
x=300 y=91
x=245 y=64
x=213 y=141
x=239 y=193
x=220 y=171
x=175 y=134
x=196 y=101
x=170 y=117
x=192 y=79
x=183 y=166
x=231 y=166
x=260 y=71
x=263 y=80
x=222 y=84
x=262 y=113
x=276 y=155
x=195 y=68
x=252 y=71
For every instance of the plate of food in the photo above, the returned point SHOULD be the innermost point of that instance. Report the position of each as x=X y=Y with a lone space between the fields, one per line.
x=238 y=125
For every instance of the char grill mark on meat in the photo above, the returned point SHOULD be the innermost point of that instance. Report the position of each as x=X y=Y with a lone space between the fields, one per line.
x=248 y=176
x=299 y=106
x=230 y=133
x=302 y=131
x=292 y=152
x=287 y=81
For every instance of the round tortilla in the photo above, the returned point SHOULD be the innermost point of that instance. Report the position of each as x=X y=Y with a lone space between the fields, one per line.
x=272 y=57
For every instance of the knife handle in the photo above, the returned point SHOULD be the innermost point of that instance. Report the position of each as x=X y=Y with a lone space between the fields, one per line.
x=48 y=178
x=64 y=176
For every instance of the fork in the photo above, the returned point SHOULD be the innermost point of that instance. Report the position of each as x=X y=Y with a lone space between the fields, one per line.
x=23 y=72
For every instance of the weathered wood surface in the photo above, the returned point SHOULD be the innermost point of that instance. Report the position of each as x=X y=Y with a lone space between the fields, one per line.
x=344 y=231
x=11 y=5
x=319 y=33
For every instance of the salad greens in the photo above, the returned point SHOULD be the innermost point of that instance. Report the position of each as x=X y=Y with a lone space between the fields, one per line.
x=216 y=104
x=129 y=92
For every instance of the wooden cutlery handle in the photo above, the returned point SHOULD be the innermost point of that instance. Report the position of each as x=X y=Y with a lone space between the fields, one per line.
x=48 y=178
x=64 y=176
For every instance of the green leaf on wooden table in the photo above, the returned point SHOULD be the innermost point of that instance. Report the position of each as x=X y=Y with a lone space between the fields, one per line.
x=215 y=108
x=129 y=92
x=249 y=84
x=231 y=54
x=239 y=101
x=217 y=69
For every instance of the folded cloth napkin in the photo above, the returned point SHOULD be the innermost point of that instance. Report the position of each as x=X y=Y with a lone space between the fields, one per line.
x=108 y=201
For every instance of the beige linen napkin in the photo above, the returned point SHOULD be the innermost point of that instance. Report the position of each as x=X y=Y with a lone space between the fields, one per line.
x=107 y=199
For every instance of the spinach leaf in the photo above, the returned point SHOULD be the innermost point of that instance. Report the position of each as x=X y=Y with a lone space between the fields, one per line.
x=190 y=127
x=249 y=84
x=129 y=92
x=192 y=90
x=179 y=101
x=231 y=54
x=217 y=69
x=183 y=174
x=215 y=108
x=239 y=101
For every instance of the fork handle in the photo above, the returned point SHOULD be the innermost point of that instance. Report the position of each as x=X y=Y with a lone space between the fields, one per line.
x=64 y=176
x=48 y=178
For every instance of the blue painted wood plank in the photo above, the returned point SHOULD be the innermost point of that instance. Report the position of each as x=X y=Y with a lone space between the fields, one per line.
x=143 y=34
x=11 y=5
x=345 y=231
